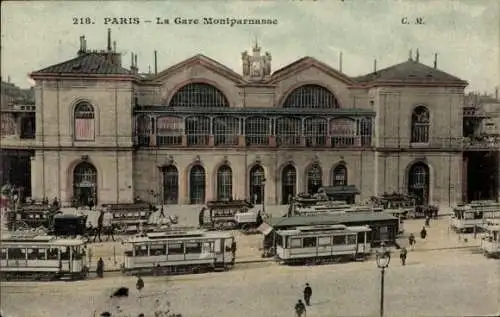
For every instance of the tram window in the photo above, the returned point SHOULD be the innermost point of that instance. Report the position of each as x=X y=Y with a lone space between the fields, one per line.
x=279 y=240
x=351 y=239
x=175 y=248
x=157 y=249
x=338 y=240
x=52 y=254
x=77 y=253
x=193 y=247
x=323 y=241
x=16 y=254
x=3 y=254
x=141 y=250
x=64 y=253
x=36 y=254
x=295 y=243
x=478 y=215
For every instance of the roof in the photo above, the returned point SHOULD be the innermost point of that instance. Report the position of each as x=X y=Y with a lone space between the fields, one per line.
x=88 y=63
x=341 y=190
x=330 y=219
x=410 y=72
x=229 y=204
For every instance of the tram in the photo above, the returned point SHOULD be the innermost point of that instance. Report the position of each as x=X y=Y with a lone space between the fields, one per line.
x=177 y=252
x=490 y=242
x=26 y=255
x=221 y=215
x=467 y=217
x=323 y=244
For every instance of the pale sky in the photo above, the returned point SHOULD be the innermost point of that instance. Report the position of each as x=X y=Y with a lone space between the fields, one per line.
x=465 y=34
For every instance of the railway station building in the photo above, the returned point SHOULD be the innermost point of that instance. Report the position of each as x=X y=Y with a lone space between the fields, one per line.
x=200 y=131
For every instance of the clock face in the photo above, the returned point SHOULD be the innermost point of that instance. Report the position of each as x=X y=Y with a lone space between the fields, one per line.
x=256 y=65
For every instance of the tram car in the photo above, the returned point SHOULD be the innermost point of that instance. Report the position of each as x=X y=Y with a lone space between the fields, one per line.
x=29 y=256
x=322 y=207
x=31 y=216
x=323 y=244
x=248 y=220
x=490 y=242
x=177 y=252
x=397 y=201
x=221 y=215
x=467 y=217
x=129 y=218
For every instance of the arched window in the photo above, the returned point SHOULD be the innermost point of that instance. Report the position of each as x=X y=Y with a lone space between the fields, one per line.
x=224 y=183
x=342 y=132
x=288 y=184
x=197 y=185
x=170 y=185
x=315 y=131
x=85 y=184
x=198 y=130
x=311 y=96
x=339 y=175
x=199 y=95
x=84 y=122
x=418 y=182
x=143 y=130
x=257 y=131
x=314 y=179
x=257 y=177
x=226 y=130
x=288 y=131
x=420 y=123
x=169 y=130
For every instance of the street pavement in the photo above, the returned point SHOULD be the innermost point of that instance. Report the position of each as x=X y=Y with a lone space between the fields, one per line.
x=435 y=283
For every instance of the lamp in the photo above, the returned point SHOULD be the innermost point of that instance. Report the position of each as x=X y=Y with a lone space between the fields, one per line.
x=263 y=194
x=383 y=259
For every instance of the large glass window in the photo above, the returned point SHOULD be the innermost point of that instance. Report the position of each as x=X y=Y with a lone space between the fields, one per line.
x=420 y=124
x=314 y=179
x=256 y=184
x=226 y=130
x=315 y=131
x=84 y=122
x=198 y=130
x=197 y=183
x=311 y=96
x=170 y=185
x=199 y=95
x=257 y=131
x=224 y=183
x=288 y=131
x=169 y=130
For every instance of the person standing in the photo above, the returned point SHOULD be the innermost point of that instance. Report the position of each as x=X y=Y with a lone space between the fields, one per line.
x=423 y=233
x=100 y=268
x=100 y=222
x=307 y=294
x=402 y=256
x=411 y=241
x=300 y=308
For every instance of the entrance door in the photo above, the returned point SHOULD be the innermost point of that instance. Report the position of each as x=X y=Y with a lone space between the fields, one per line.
x=85 y=183
x=288 y=182
x=418 y=182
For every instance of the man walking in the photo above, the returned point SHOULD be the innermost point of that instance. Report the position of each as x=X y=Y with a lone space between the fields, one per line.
x=100 y=222
x=307 y=294
x=402 y=256
x=411 y=241
x=300 y=308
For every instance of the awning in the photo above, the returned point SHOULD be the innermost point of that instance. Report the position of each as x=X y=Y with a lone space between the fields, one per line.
x=265 y=229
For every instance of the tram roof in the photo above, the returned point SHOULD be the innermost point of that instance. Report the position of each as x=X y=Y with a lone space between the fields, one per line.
x=189 y=235
x=40 y=239
x=327 y=219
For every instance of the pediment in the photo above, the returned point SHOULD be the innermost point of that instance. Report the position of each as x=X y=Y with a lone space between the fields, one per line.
x=306 y=63
x=195 y=64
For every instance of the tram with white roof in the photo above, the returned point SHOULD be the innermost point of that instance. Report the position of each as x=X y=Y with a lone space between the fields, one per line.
x=490 y=242
x=474 y=215
x=323 y=244
x=177 y=252
x=33 y=256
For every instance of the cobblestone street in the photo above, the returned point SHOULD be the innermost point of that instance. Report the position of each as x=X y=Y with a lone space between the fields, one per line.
x=435 y=283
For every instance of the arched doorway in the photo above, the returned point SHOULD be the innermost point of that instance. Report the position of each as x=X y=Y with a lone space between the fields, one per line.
x=170 y=185
x=314 y=179
x=85 y=184
x=256 y=186
x=339 y=175
x=224 y=183
x=419 y=182
x=197 y=185
x=288 y=184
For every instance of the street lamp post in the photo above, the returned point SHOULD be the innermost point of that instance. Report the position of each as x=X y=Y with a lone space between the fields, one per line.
x=263 y=194
x=383 y=258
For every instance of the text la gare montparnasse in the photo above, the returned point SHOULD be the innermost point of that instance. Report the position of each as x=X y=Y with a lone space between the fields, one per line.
x=230 y=21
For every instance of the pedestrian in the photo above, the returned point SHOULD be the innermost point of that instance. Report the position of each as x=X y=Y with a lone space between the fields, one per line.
x=300 y=308
x=100 y=268
x=427 y=221
x=411 y=241
x=162 y=212
x=100 y=222
x=307 y=294
x=423 y=233
x=107 y=224
x=91 y=203
x=90 y=256
x=139 y=284
x=402 y=256
x=201 y=217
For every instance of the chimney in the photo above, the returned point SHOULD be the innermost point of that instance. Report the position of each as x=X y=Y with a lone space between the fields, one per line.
x=109 y=40
x=435 y=60
x=114 y=46
x=374 y=65
x=417 y=57
x=410 y=56
x=156 y=63
x=496 y=93
x=340 y=62
x=135 y=62
x=82 y=46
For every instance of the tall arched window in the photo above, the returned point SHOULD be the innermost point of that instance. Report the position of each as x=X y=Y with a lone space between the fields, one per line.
x=84 y=122
x=315 y=131
x=288 y=131
x=342 y=132
x=339 y=175
x=199 y=95
x=197 y=185
x=226 y=130
x=257 y=131
x=314 y=179
x=288 y=184
x=198 y=130
x=311 y=96
x=256 y=185
x=365 y=131
x=420 y=124
x=143 y=129
x=85 y=183
x=224 y=183
x=169 y=130
x=170 y=185
x=419 y=182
